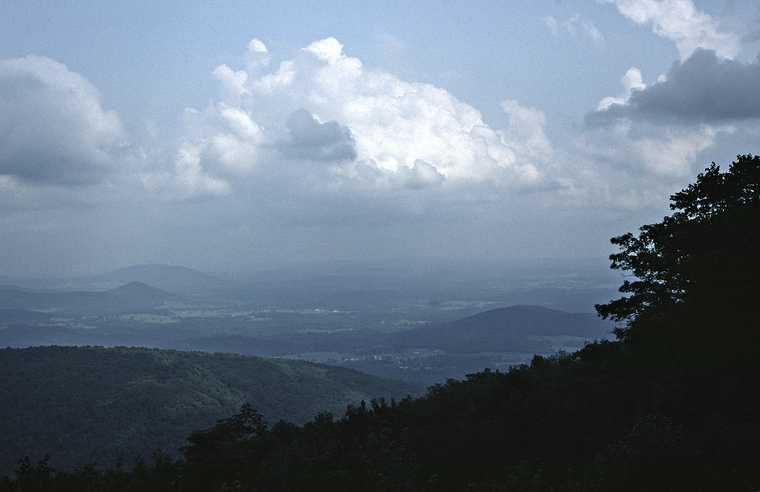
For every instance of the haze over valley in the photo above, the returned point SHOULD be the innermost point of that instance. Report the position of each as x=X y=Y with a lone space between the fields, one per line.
x=409 y=320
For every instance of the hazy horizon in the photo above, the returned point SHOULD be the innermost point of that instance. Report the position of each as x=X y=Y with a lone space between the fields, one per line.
x=409 y=263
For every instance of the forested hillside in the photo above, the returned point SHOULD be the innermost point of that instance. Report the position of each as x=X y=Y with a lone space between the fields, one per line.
x=85 y=404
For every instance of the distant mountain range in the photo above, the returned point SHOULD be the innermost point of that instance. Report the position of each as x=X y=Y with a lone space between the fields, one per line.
x=133 y=296
x=85 y=404
x=171 y=278
x=570 y=286
x=510 y=329
x=515 y=328
x=176 y=279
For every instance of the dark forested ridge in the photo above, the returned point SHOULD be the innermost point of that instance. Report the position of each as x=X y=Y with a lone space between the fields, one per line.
x=82 y=404
x=670 y=406
x=599 y=420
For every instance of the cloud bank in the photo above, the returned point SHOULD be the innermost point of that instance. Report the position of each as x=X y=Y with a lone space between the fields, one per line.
x=704 y=88
x=366 y=126
x=53 y=127
x=321 y=127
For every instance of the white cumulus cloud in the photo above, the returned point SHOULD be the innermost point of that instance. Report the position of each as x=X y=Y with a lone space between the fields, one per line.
x=323 y=105
x=53 y=127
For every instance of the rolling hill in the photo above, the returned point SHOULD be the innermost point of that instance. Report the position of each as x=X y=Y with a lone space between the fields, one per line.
x=514 y=328
x=171 y=278
x=134 y=296
x=85 y=404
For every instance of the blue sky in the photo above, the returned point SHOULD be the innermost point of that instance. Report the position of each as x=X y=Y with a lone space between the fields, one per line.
x=152 y=59
x=160 y=131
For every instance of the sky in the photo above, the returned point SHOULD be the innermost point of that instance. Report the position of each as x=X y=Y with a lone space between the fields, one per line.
x=230 y=136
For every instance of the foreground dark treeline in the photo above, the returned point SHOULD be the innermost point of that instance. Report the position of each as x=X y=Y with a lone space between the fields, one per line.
x=599 y=419
x=670 y=406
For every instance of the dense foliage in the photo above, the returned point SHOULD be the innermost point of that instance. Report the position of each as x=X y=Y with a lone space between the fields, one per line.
x=596 y=420
x=82 y=404
x=652 y=411
x=695 y=273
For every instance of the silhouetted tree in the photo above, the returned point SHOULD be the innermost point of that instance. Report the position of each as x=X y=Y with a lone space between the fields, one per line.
x=228 y=450
x=695 y=273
